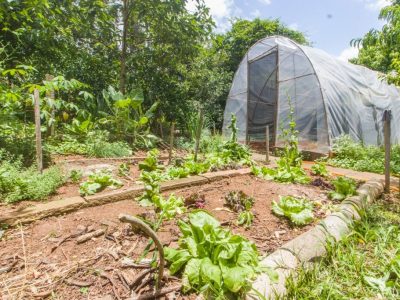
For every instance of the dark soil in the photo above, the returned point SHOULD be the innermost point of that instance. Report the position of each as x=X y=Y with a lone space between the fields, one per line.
x=36 y=269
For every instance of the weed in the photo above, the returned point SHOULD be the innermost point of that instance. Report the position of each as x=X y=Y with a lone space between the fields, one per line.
x=75 y=176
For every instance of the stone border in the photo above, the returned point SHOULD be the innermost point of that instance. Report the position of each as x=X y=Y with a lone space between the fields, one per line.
x=310 y=246
x=58 y=207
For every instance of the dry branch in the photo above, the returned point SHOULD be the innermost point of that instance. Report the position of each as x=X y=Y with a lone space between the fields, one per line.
x=89 y=236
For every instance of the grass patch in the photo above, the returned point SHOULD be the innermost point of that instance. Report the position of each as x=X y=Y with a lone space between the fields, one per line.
x=18 y=183
x=364 y=265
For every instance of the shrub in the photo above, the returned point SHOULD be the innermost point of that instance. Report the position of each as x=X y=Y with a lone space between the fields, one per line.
x=18 y=183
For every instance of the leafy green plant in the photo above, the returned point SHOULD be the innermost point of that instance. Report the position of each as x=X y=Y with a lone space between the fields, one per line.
x=246 y=218
x=356 y=156
x=344 y=187
x=238 y=201
x=97 y=182
x=232 y=150
x=319 y=169
x=214 y=261
x=18 y=183
x=123 y=170
x=151 y=163
x=290 y=162
x=75 y=176
x=298 y=210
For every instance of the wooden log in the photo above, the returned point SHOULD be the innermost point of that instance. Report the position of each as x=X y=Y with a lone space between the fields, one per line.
x=267 y=144
x=171 y=142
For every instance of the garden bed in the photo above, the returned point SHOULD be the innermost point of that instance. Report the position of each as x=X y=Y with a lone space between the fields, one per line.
x=79 y=271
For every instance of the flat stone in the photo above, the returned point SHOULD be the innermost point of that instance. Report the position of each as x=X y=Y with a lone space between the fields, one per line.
x=348 y=209
x=280 y=258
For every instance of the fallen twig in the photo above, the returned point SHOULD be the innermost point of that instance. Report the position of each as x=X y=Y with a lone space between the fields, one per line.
x=157 y=294
x=79 y=283
x=90 y=235
x=9 y=267
x=126 y=262
x=140 y=276
x=114 y=287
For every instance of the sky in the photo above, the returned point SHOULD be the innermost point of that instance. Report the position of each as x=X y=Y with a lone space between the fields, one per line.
x=329 y=24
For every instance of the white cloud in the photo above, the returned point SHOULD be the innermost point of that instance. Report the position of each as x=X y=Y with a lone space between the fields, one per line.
x=348 y=53
x=266 y=2
x=375 y=4
x=255 y=13
x=221 y=10
x=294 y=26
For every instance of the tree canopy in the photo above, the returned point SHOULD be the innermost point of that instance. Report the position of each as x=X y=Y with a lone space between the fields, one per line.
x=379 y=49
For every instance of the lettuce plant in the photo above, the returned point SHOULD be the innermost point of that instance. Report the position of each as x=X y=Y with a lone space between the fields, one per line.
x=97 y=182
x=215 y=262
x=344 y=187
x=319 y=169
x=298 y=210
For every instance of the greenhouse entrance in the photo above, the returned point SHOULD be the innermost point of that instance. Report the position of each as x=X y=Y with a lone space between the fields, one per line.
x=262 y=98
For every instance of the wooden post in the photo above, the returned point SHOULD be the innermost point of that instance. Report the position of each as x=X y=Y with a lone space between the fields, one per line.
x=267 y=144
x=171 y=142
x=39 y=158
x=386 y=119
x=198 y=134
x=50 y=94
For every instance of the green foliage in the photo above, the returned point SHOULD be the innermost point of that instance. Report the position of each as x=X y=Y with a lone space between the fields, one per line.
x=123 y=170
x=352 y=155
x=319 y=169
x=95 y=144
x=214 y=261
x=232 y=150
x=238 y=201
x=380 y=48
x=363 y=265
x=97 y=182
x=290 y=161
x=298 y=210
x=344 y=187
x=18 y=183
x=150 y=163
x=246 y=218
x=75 y=176
x=245 y=33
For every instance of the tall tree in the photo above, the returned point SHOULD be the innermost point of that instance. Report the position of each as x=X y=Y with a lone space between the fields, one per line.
x=244 y=33
x=380 y=49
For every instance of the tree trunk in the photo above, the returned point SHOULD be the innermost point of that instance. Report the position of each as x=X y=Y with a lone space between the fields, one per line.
x=125 y=25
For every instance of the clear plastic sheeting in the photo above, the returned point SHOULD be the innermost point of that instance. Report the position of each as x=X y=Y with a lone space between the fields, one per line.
x=329 y=97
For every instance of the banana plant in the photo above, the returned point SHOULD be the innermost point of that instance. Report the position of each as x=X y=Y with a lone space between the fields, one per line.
x=127 y=117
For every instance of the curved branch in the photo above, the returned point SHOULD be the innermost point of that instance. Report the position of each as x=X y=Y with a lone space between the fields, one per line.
x=136 y=222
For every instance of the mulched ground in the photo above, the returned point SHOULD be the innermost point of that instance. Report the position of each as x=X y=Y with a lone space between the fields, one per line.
x=43 y=259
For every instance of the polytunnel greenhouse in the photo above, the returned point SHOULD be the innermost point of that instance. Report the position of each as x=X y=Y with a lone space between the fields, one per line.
x=329 y=97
